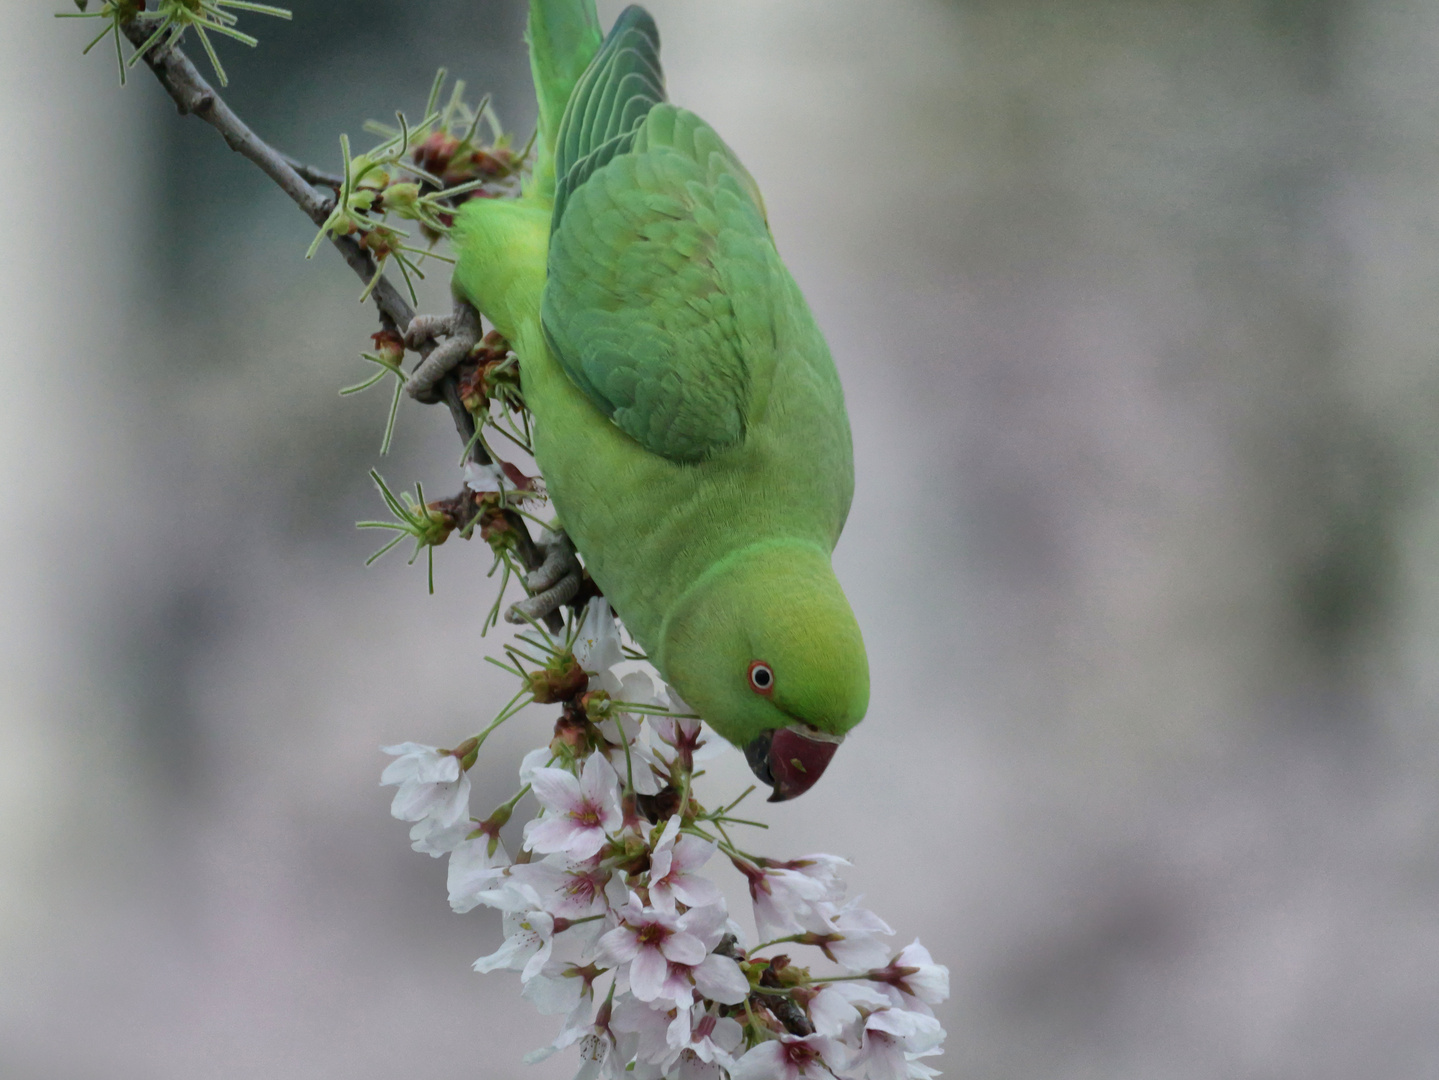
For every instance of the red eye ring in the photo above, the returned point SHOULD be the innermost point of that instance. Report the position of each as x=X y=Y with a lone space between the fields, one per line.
x=761 y=678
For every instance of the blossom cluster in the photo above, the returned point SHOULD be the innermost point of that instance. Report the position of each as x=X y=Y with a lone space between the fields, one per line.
x=609 y=916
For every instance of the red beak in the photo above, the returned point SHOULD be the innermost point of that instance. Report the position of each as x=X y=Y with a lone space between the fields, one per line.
x=791 y=758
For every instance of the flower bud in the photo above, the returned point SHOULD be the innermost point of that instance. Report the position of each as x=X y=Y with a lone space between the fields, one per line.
x=435 y=524
x=493 y=162
x=389 y=346
x=467 y=751
x=630 y=854
x=560 y=680
x=434 y=153
x=495 y=527
x=378 y=242
x=597 y=706
x=401 y=198
x=498 y=820
x=471 y=388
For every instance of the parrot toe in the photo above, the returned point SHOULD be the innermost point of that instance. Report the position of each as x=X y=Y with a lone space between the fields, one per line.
x=791 y=759
x=461 y=330
x=552 y=583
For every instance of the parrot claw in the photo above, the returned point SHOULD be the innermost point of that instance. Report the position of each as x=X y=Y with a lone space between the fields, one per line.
x=461 y=329
x=552 y=583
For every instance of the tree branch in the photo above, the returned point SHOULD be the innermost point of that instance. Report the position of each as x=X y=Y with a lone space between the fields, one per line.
x=312 y=175
x=193 y=95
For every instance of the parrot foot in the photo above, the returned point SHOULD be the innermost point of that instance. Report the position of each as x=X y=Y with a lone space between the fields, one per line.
x=553 y=583
x=461 y=331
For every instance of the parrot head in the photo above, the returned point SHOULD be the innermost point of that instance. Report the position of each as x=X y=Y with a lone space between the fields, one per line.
x=765 y=647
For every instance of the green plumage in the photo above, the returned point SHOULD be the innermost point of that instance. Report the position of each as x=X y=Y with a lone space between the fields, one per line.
x=689 y=420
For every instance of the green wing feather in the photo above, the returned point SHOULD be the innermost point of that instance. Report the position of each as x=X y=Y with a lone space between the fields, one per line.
x=662 y=275
x=564 y=36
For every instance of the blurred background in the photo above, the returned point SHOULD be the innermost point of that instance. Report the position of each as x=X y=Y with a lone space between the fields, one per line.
x=1135 y=307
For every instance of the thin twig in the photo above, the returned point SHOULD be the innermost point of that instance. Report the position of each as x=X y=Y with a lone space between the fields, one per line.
x=312 y=175
x=193 y=95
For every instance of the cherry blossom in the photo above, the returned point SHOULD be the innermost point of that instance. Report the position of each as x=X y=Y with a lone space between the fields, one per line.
x=790 y=1057
x=484 y=479
x=788 y=897
x=646 y=1029
x=563 y=988
x=597 y=646
x=431 y=836
x=431 y=784
x=578 y=812
x=835 y=1010
x=917 y=978
x=602 y=1051
x=539 y=758
x=851 y=939
x=688 y=738
x=716 y=977
x=574 y=890
x=649 y=941
x=434 y=793
x=672 y=870
x=529 y=933
x=889 y=1039
x=607 y=888
x=475 y=866
x=623 y=731
x=700 y=1042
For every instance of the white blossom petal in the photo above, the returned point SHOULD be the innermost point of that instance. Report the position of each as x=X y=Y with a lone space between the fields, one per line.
x=538 y=758
x=648 y=971
x=766 y=1061
x=483 y=479
x=474 y=869
x=557 y=790
x=683 y=948
x=597 y=648
x=719 y=978
x=619 y=946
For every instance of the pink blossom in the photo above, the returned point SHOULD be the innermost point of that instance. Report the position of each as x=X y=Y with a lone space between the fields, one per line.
x=672 y=867
x=649 y=941
x=788 y=896
x=890 y=1036
x=483 y=479
x=563 y=988
x=646 y=1029
x=575 y=890
x=914 y=974
x=529 y=936
x=475 y=865
x=835 y=1010
x=717 y=977
x=686 y=737
x=601 y=1050
x=789 y=1057
x=851 y=939
x=597 y=646
x=710 y=1036
x=432 y=789
x=622 y=729
x=578 y=812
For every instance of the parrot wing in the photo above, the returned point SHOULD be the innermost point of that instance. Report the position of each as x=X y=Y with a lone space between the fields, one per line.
x=659 y=302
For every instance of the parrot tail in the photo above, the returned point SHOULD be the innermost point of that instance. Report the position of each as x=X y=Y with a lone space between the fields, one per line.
x=564 y=36
x=609 y=102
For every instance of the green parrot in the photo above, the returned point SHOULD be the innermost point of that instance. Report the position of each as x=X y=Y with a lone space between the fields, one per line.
x=689 y=421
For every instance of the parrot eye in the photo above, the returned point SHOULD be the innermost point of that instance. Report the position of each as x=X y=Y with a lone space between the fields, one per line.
x=761 y=678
